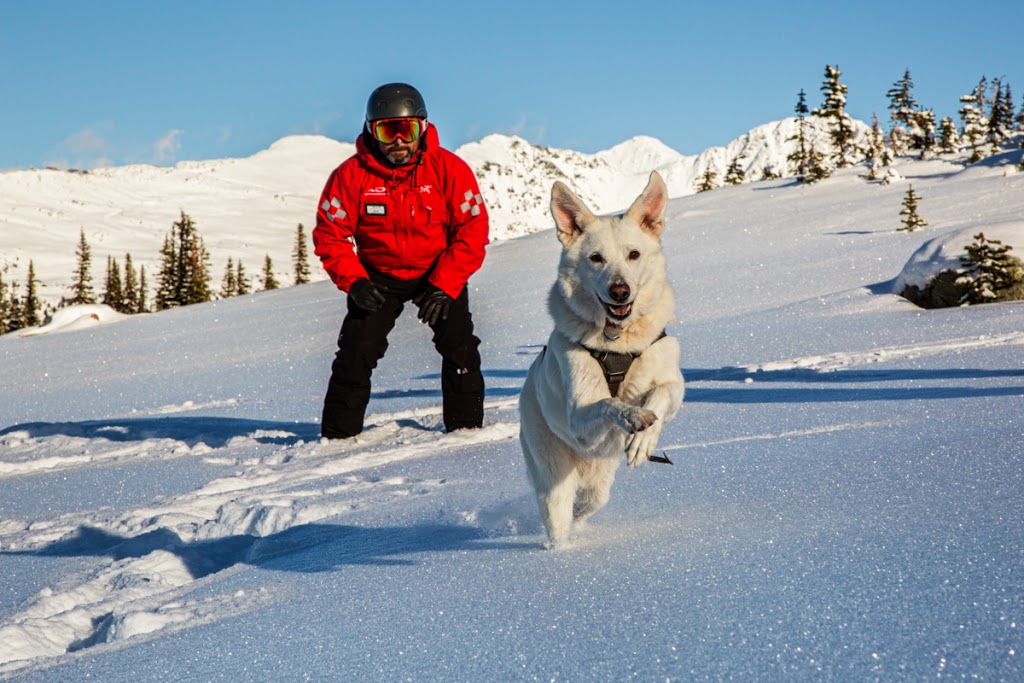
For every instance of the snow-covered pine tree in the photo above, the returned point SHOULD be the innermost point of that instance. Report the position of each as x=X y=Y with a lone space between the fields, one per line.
x=987 y=270
x=269 y=281
x=876 y=153
x=734 y=174
x=817 y=166
x=31 y=307
x=833 y=111
x=911 y=221
x=949 y=141
x=975 y=125
x=798 y=157
x=708 y=181
x=922 y=132
x=229 y=283
x=300 y=257
x=902 y=107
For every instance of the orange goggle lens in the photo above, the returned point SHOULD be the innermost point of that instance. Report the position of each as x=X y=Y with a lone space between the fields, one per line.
x=389 y=130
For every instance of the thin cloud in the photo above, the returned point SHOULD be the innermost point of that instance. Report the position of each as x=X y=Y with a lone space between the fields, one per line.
x=166 y=148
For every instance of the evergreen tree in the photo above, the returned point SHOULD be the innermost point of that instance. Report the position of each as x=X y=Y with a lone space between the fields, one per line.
x=922 y=132
x=734 y=174
x=833 y=111
x=31 y=307
x=707 y=181
x=269 y=281
x=987 y=269
x=912 y=220
x=817 y=167
x=81 y=285
x=949 y=141
x=142 y=306
x=228 y=284
x=242 y=280
x=1000 y=120
x=113 y=294
x=902 y=106
x=974 y=124
x=167 y=276
x=130 y=290
x=5 y=303
x=876 y=153
x=15 y=314
x=798 y=158
x=184 y=276
x=300 y=257
x=1020 y=119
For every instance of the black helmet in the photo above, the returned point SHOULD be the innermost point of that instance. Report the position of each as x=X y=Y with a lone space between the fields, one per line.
x=395 y=100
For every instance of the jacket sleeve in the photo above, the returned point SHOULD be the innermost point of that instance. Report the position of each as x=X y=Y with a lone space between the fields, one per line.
x=468 y=231
x=333 y=236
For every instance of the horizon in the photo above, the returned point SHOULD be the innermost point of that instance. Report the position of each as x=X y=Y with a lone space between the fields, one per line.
x=111 y=87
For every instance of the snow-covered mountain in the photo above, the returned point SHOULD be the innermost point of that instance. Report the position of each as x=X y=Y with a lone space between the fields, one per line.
x=248 y=208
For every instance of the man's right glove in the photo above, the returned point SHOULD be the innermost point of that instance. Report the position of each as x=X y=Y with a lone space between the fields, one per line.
x=433 y=304
x=366 y=295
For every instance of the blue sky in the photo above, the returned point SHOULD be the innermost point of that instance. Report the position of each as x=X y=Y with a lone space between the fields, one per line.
x=110 y=83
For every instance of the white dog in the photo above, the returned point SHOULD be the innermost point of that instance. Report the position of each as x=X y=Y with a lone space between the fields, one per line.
x=609 y=378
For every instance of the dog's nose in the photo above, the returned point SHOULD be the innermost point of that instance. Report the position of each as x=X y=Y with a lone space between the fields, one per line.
x=619 y=292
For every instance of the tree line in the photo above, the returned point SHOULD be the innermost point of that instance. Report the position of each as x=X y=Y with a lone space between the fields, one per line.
x=987 y=122
x=184 y=277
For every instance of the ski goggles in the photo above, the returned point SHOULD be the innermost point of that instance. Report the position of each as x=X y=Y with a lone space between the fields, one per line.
x=390 y=130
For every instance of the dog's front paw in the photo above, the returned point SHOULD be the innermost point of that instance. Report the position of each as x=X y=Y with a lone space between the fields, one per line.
x=641 y=445
x=636 y=419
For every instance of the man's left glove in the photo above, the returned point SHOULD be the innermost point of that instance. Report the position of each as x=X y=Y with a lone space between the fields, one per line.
x=434 y=304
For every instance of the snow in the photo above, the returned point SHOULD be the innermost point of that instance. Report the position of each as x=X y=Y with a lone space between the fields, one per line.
x=845 y=502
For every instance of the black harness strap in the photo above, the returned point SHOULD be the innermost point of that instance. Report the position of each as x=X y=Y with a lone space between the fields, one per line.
x=615 y=365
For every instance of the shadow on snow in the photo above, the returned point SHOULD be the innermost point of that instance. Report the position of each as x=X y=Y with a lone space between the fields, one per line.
x=829 y=387
x=215 y=432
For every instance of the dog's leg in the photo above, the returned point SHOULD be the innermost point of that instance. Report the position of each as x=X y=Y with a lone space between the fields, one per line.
x=553 y=475
x=663 y=401
x=596 y=490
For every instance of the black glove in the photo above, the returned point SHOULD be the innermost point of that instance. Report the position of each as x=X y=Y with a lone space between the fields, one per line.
x=366 y=295
x=433 y=304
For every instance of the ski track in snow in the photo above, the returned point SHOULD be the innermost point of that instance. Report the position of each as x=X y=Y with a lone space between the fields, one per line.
x=161 y=552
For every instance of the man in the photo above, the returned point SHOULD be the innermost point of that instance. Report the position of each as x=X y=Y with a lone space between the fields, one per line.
x=401 y=221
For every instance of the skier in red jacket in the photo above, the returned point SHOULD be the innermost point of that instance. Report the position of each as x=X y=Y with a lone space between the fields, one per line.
x=401 y=221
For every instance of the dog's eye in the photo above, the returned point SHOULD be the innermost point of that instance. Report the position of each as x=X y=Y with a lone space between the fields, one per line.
x=596 y=258
x=634 y=255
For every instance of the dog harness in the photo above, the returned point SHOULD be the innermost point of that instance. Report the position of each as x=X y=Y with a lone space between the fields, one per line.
x=615 y=365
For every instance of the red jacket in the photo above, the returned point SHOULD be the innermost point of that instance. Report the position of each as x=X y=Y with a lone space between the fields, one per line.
x=400 y=220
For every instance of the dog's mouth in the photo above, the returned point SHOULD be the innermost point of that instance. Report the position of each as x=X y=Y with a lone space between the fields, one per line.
x=618 y=312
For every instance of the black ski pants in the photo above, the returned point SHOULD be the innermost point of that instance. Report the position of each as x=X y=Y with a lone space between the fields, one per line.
x=363 y=341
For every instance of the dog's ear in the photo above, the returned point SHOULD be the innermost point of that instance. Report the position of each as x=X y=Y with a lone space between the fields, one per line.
x=649 y=208
x=571 y=215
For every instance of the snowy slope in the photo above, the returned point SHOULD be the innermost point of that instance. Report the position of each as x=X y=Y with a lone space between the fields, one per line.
x=249 y=208
x=845 y=503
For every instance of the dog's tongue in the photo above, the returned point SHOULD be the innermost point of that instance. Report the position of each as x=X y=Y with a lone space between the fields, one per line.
x=621 y=311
